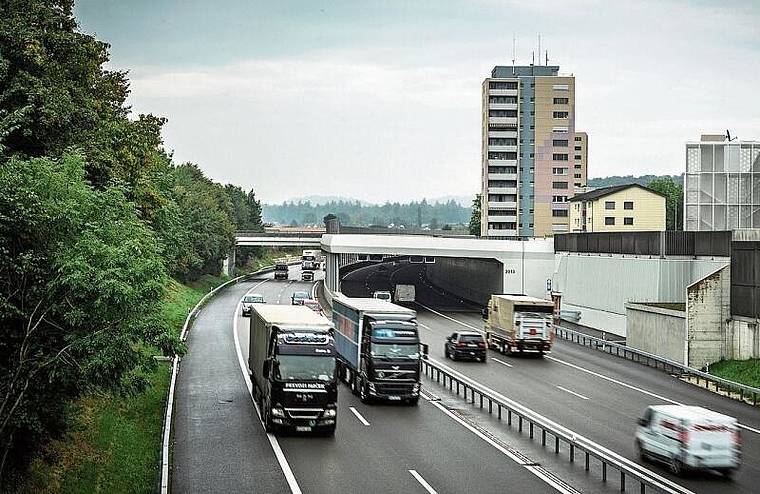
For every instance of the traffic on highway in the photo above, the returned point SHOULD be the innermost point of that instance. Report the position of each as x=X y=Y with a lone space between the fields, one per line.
x=634 y=415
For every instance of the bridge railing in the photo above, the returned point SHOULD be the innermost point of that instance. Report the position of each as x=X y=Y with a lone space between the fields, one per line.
x=526 y=419
x=733 y=389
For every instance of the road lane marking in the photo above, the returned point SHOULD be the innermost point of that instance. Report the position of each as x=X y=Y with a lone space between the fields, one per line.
x=501 y=362
x=631 y=386
x=517 y=459
x=450 y=318
x=286 y=470
x=572 y=393
x=422 y=482
x=359 y=416
x=424 y=326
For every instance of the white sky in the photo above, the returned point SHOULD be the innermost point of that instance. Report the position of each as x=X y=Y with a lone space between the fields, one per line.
x=380 y=101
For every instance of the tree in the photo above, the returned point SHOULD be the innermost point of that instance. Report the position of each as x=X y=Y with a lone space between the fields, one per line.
x=475 y=217
x=83 y=282
x=673 y=193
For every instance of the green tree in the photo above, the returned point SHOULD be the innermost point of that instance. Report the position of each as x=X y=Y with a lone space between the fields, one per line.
x=475 y=217
x=673 y=201
x=83 y=280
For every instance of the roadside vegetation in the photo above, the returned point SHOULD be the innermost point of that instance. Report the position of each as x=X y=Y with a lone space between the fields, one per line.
x=101 y=234
x=746 y=372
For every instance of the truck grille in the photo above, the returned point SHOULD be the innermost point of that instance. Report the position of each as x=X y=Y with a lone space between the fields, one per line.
x=303 y=413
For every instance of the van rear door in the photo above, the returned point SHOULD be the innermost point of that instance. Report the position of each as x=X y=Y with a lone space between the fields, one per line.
x=713 y=443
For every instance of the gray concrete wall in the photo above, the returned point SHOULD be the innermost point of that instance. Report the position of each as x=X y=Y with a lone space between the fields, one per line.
x=471 y=279
x=656 y=330
x=708 y=314
x=601 y=285
x=745 y=339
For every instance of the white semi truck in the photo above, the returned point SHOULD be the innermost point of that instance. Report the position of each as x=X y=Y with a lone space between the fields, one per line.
x=519 y=323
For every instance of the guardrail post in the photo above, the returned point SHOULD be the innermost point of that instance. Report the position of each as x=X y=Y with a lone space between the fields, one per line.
x=531 y=430
x=587 y=456
x=519 y=426
x=604 y=471
x=572 y=453
x=543 y=437
x=622 y=481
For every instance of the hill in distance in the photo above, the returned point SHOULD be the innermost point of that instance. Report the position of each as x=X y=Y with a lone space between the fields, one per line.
x=464 y=201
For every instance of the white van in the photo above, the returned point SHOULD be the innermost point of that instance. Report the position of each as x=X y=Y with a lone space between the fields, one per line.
x=689 y=437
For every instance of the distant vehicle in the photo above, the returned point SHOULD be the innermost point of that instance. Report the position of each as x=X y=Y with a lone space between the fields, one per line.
x=519 y=323
x=249 y=300
x=382 y=295
x=292 y=366
x=689 y=437
x=310 y=259
x=298 y=297
x=281 y=271
x=404 y=293
x=465 y=345
x=307 y=275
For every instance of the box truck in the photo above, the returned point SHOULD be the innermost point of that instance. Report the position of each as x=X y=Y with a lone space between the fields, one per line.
x=378 y=347
x=292 y=364
x=519 y=323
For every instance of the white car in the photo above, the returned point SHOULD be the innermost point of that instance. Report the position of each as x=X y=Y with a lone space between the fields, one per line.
x=249 y=300
x=689 y=437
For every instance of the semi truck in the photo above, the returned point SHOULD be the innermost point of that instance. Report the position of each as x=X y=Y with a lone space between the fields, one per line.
x=519 y=323
x=378 y=347
x=310 y=260
x=404 y=294
x=291 y=360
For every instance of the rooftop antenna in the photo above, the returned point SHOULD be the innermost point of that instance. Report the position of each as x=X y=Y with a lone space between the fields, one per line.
x=547 y=58
x=539 y=49
x=728 y=136
x=513 y=55
x=532 y=57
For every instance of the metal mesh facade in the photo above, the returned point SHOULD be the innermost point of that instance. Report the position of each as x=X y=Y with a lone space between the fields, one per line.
x=722 y=186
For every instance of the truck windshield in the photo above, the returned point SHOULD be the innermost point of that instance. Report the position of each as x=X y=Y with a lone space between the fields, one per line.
x=394 y=350
x=306 y=368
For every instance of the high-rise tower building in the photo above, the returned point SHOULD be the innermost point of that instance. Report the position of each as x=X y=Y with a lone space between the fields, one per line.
x=532 y=157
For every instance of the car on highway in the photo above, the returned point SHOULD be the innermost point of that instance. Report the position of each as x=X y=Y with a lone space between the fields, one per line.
x=688 y=437
x=307 y=275
x=249 y=300
x=465 y=345
x=382 y=295
x=298 y=297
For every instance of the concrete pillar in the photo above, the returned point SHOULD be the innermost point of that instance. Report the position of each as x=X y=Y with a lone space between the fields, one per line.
x=231 y=262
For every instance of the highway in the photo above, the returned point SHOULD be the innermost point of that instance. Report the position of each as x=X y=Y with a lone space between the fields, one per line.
x=442 y=445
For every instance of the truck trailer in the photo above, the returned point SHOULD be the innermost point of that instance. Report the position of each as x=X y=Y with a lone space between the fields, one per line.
x=378 y=348
x=292 y=364
x=404 y=294
x=519 y=323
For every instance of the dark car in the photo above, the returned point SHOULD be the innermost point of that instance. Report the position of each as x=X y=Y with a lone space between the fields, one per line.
x=249 y=300
x=465 y=345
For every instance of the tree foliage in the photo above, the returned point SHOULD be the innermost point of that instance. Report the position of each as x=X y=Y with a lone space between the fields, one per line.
x=475 y=217
x=673 y=201
x=94 y=217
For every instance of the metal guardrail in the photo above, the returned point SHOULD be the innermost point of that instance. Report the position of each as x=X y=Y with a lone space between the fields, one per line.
x=192 y=314
x=731 y=387
x=627 y=469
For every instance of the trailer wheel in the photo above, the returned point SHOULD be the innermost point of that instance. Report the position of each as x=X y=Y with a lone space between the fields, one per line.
x=363 y=394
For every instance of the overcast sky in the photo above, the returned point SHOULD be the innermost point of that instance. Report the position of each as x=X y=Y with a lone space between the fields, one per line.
x=380 y=101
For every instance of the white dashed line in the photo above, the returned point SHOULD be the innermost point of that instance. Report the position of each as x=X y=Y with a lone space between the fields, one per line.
x=501 y=362
x=573 y=393
x=359 y=416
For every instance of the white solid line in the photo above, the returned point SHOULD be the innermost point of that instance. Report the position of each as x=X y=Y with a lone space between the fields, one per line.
x=359 y=416
x=501 y=362
x=630 y=386
x=422 y=482
x=294 y=488
x=572 y=393
x=424 y=326
x=450 y=318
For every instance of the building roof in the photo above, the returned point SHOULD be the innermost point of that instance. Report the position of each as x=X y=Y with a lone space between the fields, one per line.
x=605 y=191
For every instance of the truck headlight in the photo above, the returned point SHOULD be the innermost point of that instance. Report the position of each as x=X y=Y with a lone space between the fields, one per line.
x=330 y=413
x=278 y=412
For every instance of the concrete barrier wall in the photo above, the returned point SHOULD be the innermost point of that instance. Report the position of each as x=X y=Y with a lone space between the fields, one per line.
x=745 y=339
x=656 y=330
x=708 y=312
x=471 y=279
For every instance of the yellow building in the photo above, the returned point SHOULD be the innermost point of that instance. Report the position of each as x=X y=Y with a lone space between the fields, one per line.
x=620 y=208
